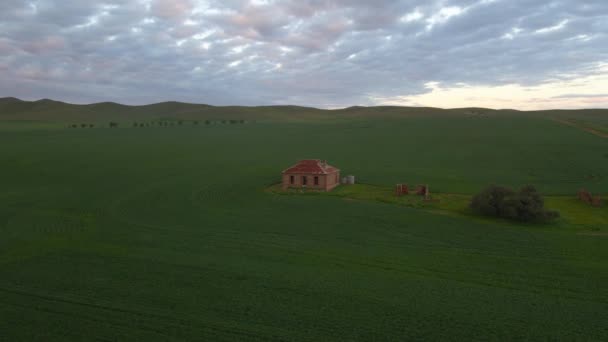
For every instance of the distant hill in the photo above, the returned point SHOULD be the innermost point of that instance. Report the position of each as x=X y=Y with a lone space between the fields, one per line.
x=49 y=110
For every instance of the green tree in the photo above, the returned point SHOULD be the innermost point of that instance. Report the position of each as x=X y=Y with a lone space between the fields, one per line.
x=527 y=205
x=492 y=201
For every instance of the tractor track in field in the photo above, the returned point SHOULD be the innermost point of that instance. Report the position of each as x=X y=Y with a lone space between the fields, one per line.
x=581 y=127
x=233 y=240
x=151 y=327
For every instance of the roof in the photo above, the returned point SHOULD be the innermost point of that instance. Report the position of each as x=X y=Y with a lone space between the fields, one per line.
x=311 y=166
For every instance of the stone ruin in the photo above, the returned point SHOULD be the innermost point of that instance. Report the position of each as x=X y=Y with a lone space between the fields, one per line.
x=421 y=190
x=402 y=189
x=588 y=198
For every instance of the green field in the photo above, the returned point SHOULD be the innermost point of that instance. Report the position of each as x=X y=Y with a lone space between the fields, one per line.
x=171 y=233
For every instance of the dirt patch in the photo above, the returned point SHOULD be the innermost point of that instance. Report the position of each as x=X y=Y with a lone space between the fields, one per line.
x=581 y=127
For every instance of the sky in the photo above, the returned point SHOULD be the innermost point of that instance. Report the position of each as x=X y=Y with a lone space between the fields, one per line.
x=519 y=54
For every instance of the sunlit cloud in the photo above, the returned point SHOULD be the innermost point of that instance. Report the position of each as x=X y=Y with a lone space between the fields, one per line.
x=591 y=92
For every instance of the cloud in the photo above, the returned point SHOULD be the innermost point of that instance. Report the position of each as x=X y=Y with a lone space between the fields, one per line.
x=579 y=96
x=171 y=9
x=550 y=94
x=326 y=53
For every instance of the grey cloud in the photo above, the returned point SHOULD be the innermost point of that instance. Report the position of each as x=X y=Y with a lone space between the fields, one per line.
x=309 y=52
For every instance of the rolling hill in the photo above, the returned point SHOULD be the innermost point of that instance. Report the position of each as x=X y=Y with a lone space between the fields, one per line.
x=13 y=109
x=170 y=232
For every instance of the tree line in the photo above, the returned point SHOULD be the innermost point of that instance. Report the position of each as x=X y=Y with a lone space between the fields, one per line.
x=163 y=123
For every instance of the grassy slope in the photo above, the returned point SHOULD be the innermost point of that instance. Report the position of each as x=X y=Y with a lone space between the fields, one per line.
x=12 y=109
x=574 y=214
x=54 y=111
x=164 y=234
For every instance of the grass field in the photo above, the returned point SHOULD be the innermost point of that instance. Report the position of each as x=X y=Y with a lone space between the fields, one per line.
x=172 y=234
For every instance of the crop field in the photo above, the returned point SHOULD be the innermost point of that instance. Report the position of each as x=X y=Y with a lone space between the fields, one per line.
x=171 y=233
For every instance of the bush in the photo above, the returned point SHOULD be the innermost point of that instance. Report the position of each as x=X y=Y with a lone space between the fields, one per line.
x=527 y=205
x=491 y=201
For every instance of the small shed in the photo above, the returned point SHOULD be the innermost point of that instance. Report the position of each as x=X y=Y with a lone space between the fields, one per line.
x=311 y=174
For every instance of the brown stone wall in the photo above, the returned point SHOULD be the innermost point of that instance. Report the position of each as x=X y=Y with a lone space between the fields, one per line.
x=326 y=182
x=333 y=180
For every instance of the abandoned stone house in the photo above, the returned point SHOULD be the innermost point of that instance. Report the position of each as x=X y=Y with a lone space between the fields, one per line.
x=311 y=174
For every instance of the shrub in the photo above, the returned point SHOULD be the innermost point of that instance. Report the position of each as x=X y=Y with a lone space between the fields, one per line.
x=527 y=205
x=491 y=201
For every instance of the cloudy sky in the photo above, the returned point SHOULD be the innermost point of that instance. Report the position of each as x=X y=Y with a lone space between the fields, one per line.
x=523 y=54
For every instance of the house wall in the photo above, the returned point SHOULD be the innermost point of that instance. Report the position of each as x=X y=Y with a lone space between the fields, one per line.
x=326 y=182
x=332 y=181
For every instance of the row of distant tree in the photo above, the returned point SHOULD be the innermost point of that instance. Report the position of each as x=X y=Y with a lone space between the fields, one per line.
x=84 y=125
x=163 y=123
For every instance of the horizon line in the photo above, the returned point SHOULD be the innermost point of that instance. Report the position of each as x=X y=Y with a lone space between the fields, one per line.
x=292 y=105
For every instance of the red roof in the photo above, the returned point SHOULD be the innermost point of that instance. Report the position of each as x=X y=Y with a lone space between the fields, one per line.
x=312 y=166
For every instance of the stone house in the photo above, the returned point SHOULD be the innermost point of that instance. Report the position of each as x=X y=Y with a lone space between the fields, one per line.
x=311 y=174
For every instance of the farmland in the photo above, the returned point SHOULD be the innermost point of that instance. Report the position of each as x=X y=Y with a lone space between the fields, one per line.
x=170 y=233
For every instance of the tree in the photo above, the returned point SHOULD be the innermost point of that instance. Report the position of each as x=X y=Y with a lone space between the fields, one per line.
x=527 y=205
x=113 y=124
x=91 y=125
x=491 y=201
